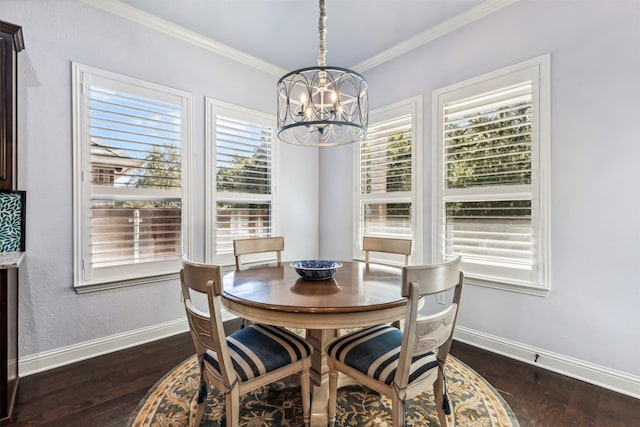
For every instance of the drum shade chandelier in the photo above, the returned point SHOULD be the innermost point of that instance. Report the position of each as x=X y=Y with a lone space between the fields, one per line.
x=322 y=106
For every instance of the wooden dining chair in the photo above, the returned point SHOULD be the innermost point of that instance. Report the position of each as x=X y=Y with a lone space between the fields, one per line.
x=390 y=246
x=386 y=245
x=403 y=364
x=245 y=360
x=258 y=245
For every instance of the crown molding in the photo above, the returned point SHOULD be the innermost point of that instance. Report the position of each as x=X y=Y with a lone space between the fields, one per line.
x=138 y=16
x=163 y=26
x=480 y=11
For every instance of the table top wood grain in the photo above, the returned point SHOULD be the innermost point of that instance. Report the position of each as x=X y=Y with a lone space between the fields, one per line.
x=355 y=287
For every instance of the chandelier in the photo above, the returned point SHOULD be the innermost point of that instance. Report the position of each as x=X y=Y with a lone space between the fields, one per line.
x=322 y=106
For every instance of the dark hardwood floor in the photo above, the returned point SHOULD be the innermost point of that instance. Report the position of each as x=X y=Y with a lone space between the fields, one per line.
x=103 y=391
x=543 y=398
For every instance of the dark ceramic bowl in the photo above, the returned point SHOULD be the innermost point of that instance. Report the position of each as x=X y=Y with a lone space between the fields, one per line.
x=315 y=269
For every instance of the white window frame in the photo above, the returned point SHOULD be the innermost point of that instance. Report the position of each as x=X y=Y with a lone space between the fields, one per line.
x=213 y=109
x=85 y=278
x=413 y=107
x=537 y=280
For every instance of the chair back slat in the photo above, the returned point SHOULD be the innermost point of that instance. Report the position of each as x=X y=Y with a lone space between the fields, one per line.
x=258 y=245
x=386 y=245
x=433 y=331
x=431 y=278
x=197 y=275
x=201 y=330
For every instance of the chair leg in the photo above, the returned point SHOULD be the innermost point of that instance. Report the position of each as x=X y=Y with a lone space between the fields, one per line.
x=201 y=400
x=232 y=408
x=333 y=392
x=305 y=389
x=397 y=412
x=199 y=413
x=438 y=392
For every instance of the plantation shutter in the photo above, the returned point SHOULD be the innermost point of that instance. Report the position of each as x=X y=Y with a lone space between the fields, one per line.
x=487 y=139
x=386 y=179
x=131 y=139
x=136 y=179
x=243 y=160
x=490 y=208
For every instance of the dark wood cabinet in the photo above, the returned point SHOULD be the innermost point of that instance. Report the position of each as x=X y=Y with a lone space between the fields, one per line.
x=9 y=341
x=11 y=42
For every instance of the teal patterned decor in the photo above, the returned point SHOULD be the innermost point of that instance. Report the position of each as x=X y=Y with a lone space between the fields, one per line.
x=12 y=210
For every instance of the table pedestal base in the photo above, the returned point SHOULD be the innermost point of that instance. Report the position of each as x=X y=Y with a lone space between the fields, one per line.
x=318 y=338
x=319 y=400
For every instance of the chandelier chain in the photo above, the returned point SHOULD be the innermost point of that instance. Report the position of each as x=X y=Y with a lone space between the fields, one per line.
x=322 y=32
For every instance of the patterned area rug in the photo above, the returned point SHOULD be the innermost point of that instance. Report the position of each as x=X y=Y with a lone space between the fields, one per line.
x=475 y=403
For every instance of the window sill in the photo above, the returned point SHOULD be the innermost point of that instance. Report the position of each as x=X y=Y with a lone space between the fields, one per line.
x=93 y=287
x=511 y=287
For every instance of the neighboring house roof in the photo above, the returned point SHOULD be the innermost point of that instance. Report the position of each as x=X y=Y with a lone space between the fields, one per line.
x=103 y=155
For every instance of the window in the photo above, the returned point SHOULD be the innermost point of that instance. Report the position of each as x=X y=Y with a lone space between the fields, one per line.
x=240 y=178
x=492 y=197
x=131 y=145
x=388 y=187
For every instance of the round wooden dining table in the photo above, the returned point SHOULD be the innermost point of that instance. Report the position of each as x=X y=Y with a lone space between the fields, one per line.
x=358 y=295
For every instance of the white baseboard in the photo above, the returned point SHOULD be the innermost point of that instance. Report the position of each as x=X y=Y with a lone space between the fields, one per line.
x=50 y=359
x=611 y=379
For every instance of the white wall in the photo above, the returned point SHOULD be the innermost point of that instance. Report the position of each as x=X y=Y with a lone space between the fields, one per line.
x=52 y=315
x=591 y=313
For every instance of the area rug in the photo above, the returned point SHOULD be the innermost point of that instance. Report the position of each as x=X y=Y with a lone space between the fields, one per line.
x=475 y=403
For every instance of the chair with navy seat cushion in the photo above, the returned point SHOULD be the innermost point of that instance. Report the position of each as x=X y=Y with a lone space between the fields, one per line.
x=245 y=360
x=403 y=364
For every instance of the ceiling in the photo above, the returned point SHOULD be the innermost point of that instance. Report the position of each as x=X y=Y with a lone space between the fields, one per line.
x=284 y=33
